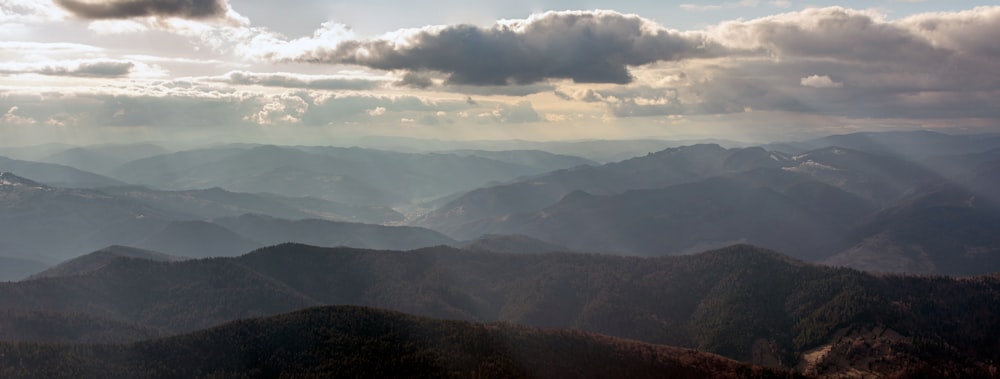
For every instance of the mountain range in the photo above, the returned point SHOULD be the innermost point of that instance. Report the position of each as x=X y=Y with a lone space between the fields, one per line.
x=655 y=170
x=741 y=302
x=878 y=204
x=833 y=204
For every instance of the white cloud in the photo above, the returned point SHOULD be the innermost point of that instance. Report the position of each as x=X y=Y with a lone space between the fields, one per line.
x=29 y=12
x=11 y=117
x=818 y=81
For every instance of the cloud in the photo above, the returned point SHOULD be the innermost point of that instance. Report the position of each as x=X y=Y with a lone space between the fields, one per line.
x=583 y=46
x=971 y=32
x=19 y=12
x=834 y=33
x=12 y=118
x=504 y=90
x=414 y=80
x=588 y=96
x=289 y=80
x=281 y=109
x=817 y=81
x=125 y=9
x=191 y=106
x=107 y=69
x=520 y=112
x=714 y=7
x=35 y=48
x=87 y=69
x=929 y=66
x=665 y=105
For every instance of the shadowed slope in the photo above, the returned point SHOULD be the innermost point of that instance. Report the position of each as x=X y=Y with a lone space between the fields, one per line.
x=362 y=342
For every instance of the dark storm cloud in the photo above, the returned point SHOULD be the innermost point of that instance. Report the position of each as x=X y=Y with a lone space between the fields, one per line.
x=123 y=9
x=586 y=47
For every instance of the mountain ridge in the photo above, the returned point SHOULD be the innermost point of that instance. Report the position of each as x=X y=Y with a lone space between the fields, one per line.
x=741 y=302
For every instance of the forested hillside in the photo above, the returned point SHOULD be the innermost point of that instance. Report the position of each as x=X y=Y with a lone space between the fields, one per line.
x=741 y=302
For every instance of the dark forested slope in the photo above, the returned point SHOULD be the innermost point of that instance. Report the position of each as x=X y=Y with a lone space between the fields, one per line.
x=361 y=342
x=741 y=302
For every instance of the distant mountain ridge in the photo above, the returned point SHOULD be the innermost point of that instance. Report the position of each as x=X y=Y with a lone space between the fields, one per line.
x=103 y=158
x=814 y=205
x=217 y=202
x=50 y=224
x=655 y=170
x=347 y=175
x=56 y=175
x=680 y=218
x=911 y=144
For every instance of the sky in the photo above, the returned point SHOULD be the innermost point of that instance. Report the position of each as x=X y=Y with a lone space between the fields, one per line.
x=329 y=72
